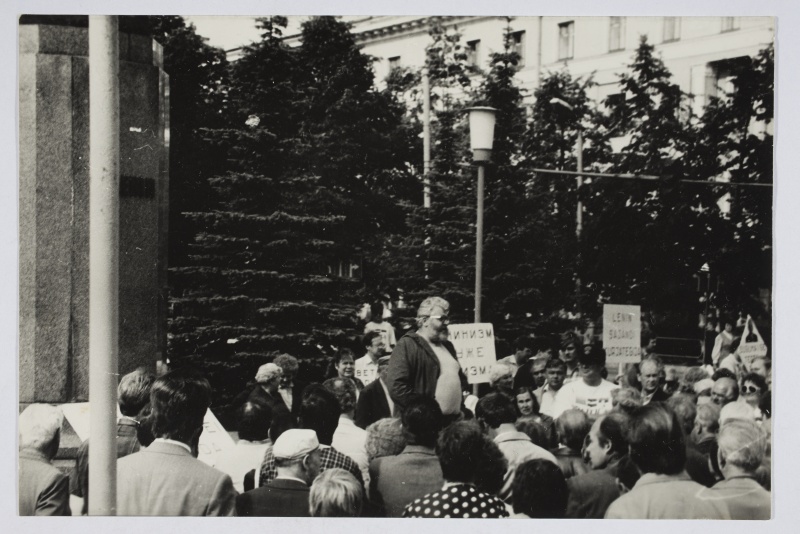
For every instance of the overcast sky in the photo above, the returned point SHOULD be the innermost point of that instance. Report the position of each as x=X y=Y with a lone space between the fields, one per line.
x=229 y=32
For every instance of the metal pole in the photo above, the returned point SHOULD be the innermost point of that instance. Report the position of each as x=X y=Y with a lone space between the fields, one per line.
x=103 y=260
x=579 y=220
x=479 y=254
x=479 y=245
x=426 y=137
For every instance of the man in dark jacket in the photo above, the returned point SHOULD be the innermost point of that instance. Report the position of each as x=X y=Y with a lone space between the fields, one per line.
x=374 y=402
x=297 y=460
x=425 y=363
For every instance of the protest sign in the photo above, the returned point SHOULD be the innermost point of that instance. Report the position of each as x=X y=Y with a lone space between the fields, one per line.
x=622 y=327
x=752 y=345
x=474 y=345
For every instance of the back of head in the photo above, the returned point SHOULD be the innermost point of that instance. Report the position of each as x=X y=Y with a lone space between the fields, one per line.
x=708 y=416
x=626 y=399
x=423 y=420
x=723 y=373
x=287 y=363
x=656 y=440
x=523 y=342
x=540 y=490
x=320 y=412
x=535 y=430
x=40 y=428
x=345 y=391
x=685 y=408
x=335 y=493
x=255 y=419
x=179 y=401
x=385 y=437
x=691 y=377
x=467 y=455
x=572 y=427
x=495 y=409
x=133 y=392
x=742 y=444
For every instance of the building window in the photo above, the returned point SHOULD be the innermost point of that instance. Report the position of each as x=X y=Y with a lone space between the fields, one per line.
x=473 y=52
x=518 y=46
x=616 y=35
x=394 y=63
x=720 y=76
x=672 y=29
x=566 y=40
x=730 y=23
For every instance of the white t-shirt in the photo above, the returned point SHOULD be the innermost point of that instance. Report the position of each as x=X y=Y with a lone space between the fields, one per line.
x=592 y=400
x=366 y=369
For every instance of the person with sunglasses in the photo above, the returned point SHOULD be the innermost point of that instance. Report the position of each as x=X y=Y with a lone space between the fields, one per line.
x=424 y=363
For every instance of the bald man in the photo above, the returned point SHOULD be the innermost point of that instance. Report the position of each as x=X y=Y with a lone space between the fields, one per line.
x=725 y=390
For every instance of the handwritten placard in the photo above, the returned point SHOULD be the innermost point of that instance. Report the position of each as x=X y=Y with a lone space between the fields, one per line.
x=474 y=345
x=622 y=330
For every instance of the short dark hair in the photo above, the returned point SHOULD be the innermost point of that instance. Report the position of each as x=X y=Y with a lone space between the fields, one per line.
x=341 y=353
x=656 y=440
x=255 y=419
x=572 y=426
x=467 y=455
x=612 y=429
x=320 y=411
x=345 y=391
x=723 y=373
x=552 y=363
x=495 y=409
x=523 y=342
x=423 y=420
x=571 y=338
x=179 y=401
x=366 y=340
x=535 y=430
x=595 y=356
x=539 y=490
x=133 y=392
x=281 y=422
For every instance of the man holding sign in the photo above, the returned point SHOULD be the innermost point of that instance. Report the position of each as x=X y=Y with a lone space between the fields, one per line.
x=424 y=364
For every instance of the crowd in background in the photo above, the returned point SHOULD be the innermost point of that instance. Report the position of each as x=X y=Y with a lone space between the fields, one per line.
x=549 y=437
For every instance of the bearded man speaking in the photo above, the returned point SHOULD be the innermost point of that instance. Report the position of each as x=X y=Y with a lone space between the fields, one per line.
x=424 y=363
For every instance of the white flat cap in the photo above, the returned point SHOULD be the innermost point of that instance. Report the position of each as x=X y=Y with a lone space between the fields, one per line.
x=295 y=443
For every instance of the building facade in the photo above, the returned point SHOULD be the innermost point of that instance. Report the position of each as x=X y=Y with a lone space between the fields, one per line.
x=701 y=52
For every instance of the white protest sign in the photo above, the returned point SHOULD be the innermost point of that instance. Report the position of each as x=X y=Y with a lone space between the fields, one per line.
x=622 y=328
x=474 y=345
x=213 y=440
x=77 y=413
x=752 y=345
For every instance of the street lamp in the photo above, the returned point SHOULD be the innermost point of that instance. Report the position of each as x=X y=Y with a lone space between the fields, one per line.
x=481 y=138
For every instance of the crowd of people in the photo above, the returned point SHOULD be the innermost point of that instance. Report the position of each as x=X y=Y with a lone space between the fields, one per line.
x=397 y=432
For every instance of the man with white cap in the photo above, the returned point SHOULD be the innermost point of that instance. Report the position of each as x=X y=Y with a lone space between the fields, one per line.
x=297 y=460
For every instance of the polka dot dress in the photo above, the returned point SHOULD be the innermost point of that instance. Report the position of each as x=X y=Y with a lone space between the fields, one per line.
x=460 y=501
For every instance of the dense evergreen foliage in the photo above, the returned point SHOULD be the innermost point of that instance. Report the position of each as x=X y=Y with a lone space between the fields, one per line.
x=291 y=172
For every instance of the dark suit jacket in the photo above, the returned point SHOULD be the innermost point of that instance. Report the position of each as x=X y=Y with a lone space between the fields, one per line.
x=43 y=489
x=279 y=498
x=275 y=402
x=590 y=494
x=570 y=462
x=414 y=369
x=395 y=481
x=164 y=479
x=372 y=405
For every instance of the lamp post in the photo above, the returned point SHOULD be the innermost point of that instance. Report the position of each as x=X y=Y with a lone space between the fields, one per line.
x=481 y=137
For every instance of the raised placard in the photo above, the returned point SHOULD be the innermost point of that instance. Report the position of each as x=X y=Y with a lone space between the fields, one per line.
x=474 y=345
x=622 y=330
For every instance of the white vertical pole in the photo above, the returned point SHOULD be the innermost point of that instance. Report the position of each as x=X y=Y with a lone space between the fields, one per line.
x=103 y=260
x=479 y=253
x=426 y=137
